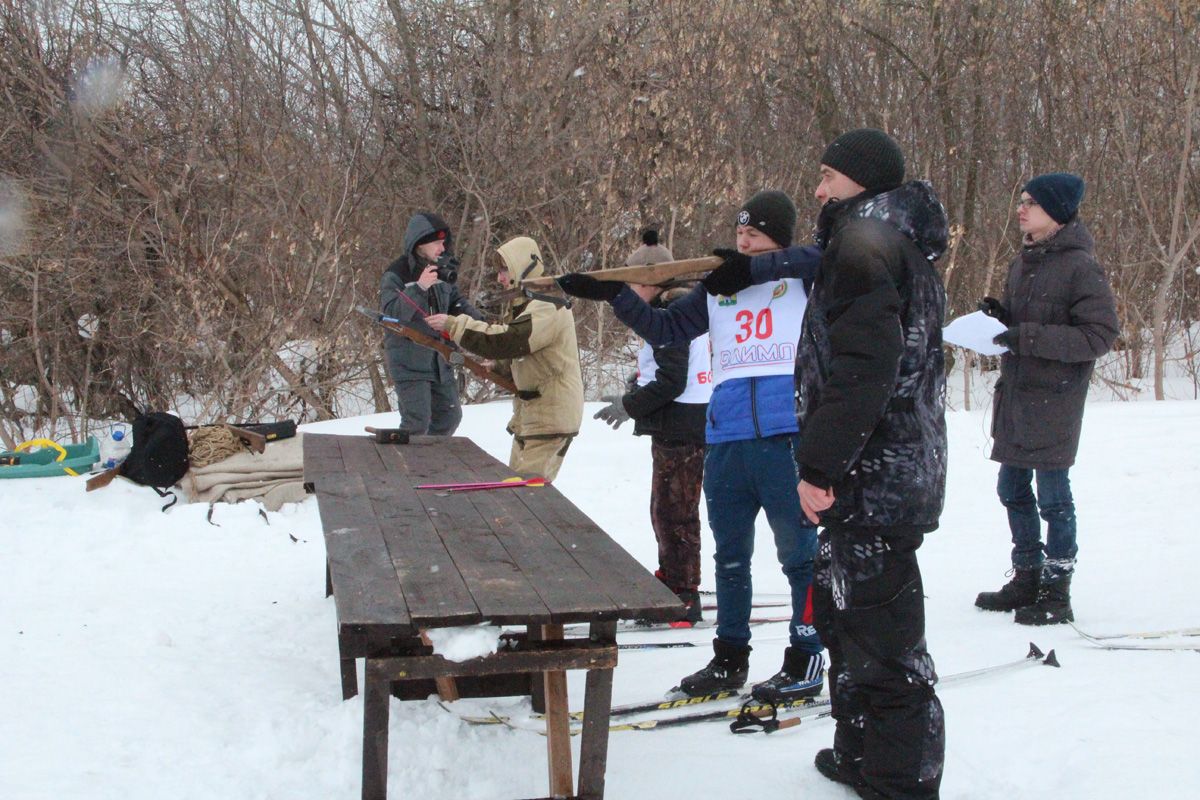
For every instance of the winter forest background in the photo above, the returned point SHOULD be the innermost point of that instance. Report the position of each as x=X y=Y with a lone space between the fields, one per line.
x=195 y=195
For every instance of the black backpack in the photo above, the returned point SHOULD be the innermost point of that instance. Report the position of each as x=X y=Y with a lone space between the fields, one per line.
x=159 y=457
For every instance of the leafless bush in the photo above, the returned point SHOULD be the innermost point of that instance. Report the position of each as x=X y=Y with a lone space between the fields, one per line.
x=195 y=195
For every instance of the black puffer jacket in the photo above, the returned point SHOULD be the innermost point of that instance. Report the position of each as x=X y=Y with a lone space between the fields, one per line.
x=407 y=360
x=870 y=381
x=1059 y=297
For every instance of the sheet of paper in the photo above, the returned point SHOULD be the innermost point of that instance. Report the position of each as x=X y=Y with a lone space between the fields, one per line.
x=975 y=332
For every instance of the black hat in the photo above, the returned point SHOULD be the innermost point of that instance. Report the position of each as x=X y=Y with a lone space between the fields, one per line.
x=440 y=232
x=867 y=156
x=773 y=213
x=650 y=237
x=1058 y=193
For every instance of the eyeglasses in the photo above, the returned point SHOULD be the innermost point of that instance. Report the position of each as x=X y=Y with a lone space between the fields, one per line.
x=1027 y=202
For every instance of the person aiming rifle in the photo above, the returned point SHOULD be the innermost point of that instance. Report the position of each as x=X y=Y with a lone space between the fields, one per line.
x=536 y=342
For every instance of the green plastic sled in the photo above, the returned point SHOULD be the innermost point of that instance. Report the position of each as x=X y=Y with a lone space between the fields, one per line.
x=42 y=463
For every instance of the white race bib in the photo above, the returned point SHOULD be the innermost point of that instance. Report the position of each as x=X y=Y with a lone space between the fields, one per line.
x=755 y=332
x=699 y=384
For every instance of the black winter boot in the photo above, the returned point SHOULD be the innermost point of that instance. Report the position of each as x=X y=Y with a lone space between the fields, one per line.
x=1053 y=604
x=1020 y=591
x=695 y=609
x=802 y=675
x=727 y=671
x=839 y=767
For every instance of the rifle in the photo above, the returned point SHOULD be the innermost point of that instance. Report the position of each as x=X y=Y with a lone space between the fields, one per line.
x=650 y=275
x=446 y=347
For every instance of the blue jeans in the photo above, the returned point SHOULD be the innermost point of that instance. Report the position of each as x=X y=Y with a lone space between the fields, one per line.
x=740 y=479
x=1056 y=506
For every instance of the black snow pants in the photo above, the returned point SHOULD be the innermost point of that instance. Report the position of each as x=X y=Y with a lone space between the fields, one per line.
x=869 y=609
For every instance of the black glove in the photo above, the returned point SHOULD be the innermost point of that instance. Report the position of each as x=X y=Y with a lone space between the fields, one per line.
x=614 y=413
x=1010 y=338
x=994 y=309
x=578 y=284
x=731 y=277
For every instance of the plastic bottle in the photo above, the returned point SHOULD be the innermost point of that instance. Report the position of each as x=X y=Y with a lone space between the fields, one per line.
x=115 y=446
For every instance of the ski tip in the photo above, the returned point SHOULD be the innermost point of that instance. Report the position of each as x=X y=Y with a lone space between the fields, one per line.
x=1034 y=651
x=1051 y=660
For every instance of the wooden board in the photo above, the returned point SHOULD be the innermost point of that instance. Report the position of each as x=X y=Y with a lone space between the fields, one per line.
x=364 y=582
x=650 y=275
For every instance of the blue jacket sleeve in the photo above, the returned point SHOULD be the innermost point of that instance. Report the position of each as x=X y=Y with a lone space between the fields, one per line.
x=677 y=324
x=790 y=262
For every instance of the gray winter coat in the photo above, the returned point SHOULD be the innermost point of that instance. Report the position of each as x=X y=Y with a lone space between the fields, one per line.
x=1059 y=297
x=407 y=360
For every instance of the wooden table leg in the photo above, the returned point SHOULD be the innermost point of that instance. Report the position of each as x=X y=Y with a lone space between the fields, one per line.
x=349 y=671
x=376 y=697
x=597 y=706
x=558 y=724
x=446 y=688
x=537 y=686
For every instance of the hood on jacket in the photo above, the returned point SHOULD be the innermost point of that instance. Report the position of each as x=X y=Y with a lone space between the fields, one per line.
x=522 y=259
x=420 y=225
x=913 y=209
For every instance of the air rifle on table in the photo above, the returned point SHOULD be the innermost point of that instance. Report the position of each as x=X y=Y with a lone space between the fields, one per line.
x=446 y=347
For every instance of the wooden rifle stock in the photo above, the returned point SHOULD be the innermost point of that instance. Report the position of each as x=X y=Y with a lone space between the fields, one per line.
x=650 y=275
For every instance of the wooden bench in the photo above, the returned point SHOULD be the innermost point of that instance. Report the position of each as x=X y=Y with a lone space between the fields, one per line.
x=402 y=560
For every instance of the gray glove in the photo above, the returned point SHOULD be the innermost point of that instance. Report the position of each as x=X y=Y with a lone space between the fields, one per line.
x=613 y=413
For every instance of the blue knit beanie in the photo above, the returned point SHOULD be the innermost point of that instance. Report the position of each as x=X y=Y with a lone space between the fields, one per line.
x=1058 y=193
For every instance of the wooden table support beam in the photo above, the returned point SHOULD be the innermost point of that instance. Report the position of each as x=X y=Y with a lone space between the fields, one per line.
x=558 y=722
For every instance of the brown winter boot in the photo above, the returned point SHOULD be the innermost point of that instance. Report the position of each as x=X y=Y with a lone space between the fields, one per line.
x=1020 y=591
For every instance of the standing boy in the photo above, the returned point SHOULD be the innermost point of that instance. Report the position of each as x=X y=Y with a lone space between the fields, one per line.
x=1061 y=317
x=751 y=435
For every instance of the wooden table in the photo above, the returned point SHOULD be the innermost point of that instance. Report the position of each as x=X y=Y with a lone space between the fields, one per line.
x=402 y=560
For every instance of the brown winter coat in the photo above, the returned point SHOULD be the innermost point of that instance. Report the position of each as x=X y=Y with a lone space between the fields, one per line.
x=1059 y=297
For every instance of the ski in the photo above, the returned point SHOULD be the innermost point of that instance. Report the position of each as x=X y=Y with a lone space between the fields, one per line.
x=655 y=645
x=743 y=710
x=536 y=722
x=801 y=704
x=773 y=604
x=633 y=626
x=1167 y=634
x=764 y=595
x=1141 y=643
x=629 y=709
x=751 y=721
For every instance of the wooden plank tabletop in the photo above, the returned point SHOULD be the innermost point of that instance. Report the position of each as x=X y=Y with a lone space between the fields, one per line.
x=402 y=559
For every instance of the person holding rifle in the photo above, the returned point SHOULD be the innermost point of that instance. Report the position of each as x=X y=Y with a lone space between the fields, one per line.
x=751 y=436
x=536 y=342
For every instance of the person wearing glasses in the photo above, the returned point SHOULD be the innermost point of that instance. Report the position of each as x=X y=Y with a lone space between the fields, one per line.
x=1061 y=317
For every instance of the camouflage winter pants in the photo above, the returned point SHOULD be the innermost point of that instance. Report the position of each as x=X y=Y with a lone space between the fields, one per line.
x=538 y=456
x=675 y=511
x=870 y=612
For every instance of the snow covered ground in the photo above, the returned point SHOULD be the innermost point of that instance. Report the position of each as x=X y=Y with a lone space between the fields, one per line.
x=146 y=655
